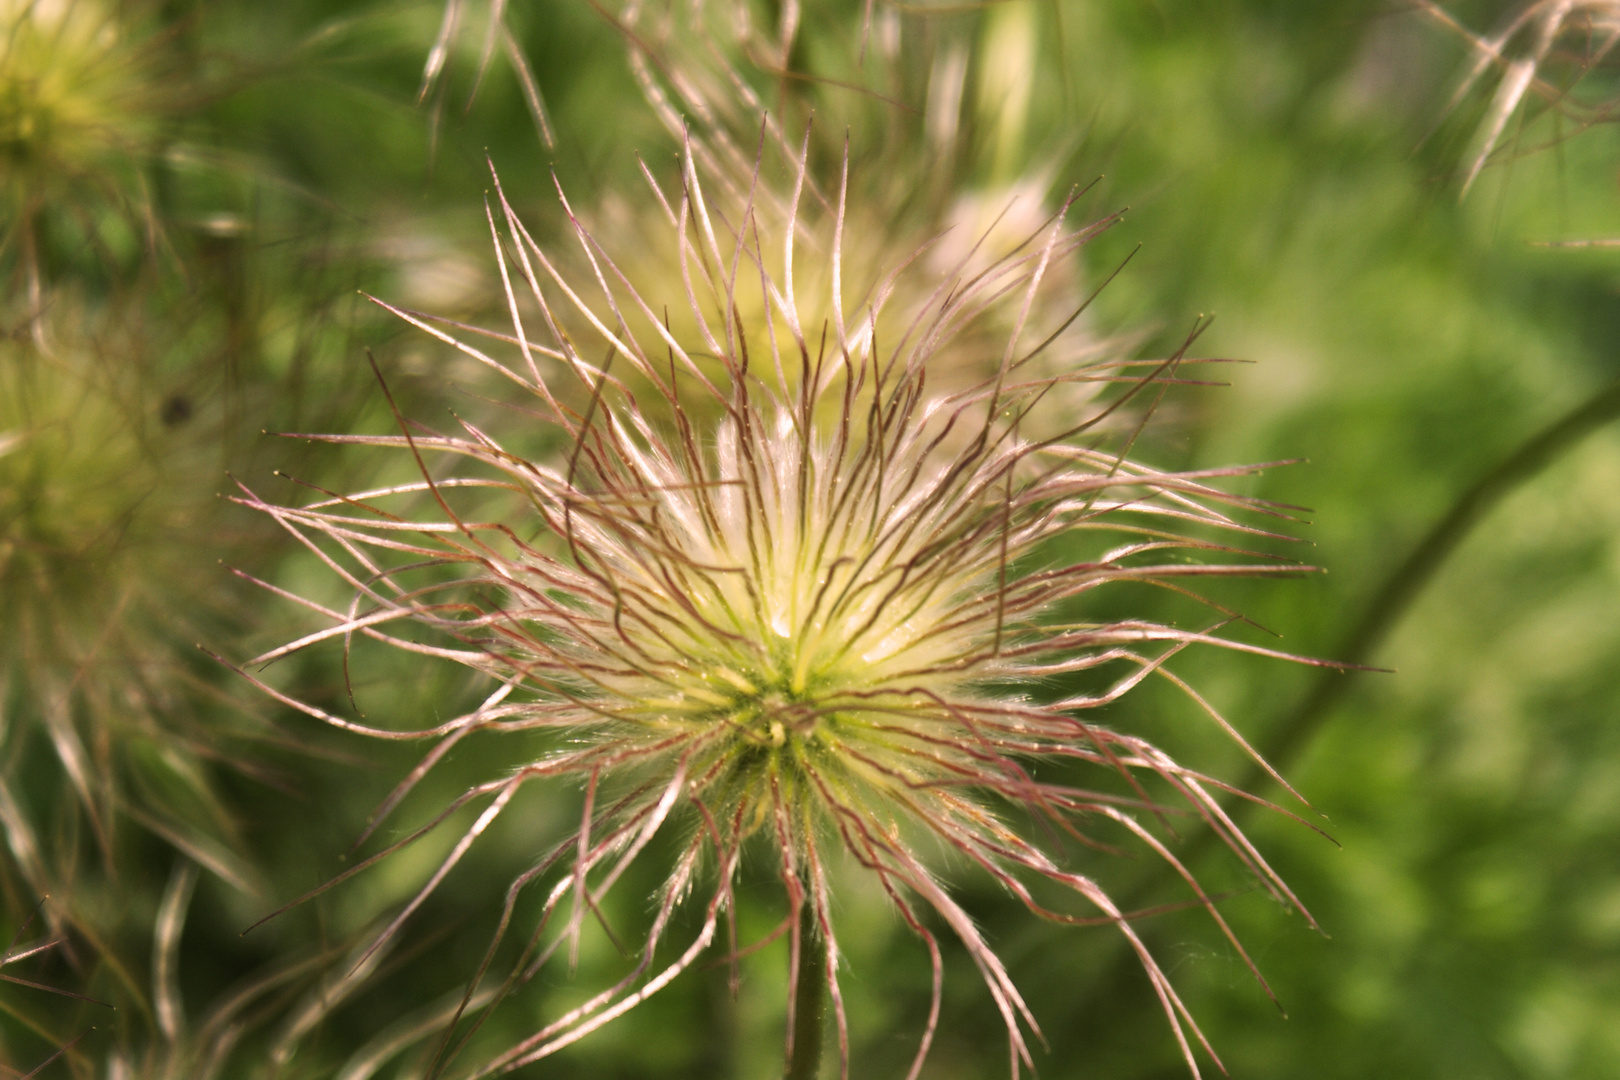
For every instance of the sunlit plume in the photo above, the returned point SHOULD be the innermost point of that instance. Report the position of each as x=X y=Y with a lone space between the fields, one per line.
x=786 y=591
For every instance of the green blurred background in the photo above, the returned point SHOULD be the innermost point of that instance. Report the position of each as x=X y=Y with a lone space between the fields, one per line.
x=193 y=195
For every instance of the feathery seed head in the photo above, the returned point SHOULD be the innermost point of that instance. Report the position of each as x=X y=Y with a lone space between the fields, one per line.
x=779 y=586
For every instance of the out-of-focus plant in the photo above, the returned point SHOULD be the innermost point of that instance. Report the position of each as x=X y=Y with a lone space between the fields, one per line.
x=1536 y=67
x=931 y=106
x=87 y=90
x=19 y=951
x=457 y=39
x=101 y=472
x=148 y=320
x=938 y=160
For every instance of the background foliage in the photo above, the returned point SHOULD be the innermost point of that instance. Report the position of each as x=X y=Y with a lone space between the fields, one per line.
x=181 y=254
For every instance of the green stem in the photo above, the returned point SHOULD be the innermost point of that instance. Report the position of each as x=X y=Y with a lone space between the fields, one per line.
x=1402 y=587
x=1392 y=601
x=810 y=998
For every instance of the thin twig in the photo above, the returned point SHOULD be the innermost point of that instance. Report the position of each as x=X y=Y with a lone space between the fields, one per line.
x=810 y=993
x=1402 y=587
x=1393 y=600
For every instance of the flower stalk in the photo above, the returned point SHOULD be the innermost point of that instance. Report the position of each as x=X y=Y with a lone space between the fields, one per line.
x=808 y=1006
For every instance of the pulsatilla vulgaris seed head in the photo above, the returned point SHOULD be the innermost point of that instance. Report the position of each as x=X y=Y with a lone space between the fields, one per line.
x=786 y=584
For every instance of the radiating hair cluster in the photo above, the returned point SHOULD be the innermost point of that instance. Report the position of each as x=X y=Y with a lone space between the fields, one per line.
x=788 y=590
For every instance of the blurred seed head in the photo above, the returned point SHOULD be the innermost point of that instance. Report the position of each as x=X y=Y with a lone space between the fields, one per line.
x=86 y=90
x=1534 y=65
x=114 y=727
x=107 y=509
x=1007 y=71
x=77 y=97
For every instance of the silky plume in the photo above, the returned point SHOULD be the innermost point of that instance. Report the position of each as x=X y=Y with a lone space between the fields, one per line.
x=778 y=596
